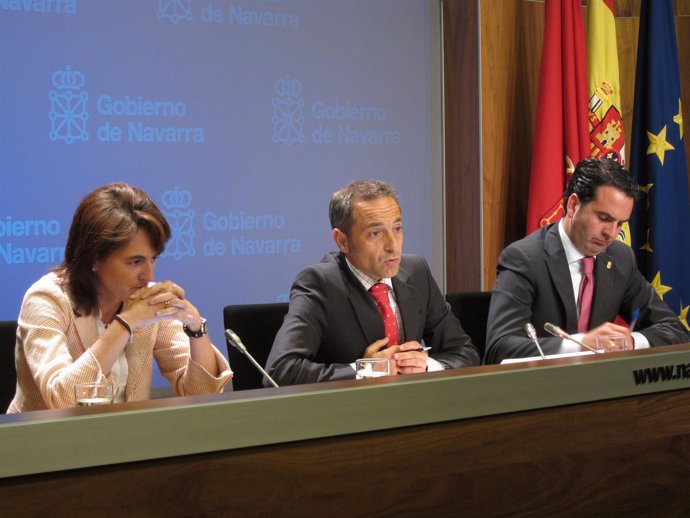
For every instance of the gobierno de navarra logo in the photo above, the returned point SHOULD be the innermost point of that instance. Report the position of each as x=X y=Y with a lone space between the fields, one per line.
x=175 y=11
x=288 y=112
x=68 y=115
x=177 y=210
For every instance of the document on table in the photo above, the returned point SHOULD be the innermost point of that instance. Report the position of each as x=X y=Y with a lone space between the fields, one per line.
x=548 y=357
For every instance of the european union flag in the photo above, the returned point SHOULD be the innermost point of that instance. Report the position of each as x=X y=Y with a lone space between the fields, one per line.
x=661 y=222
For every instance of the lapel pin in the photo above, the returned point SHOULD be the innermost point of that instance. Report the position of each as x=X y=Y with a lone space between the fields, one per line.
x=609 y=264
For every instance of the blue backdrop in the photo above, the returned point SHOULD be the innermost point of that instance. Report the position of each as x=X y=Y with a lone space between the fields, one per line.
x=240 y=118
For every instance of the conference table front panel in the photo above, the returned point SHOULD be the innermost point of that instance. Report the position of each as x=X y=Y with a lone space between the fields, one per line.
x=614 y=425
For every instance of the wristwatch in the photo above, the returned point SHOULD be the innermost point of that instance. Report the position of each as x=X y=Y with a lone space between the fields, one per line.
x=203 y=330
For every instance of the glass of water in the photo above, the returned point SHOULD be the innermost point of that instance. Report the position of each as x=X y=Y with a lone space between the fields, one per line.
x=90 y=394
x=610 y=343
x=372 y=367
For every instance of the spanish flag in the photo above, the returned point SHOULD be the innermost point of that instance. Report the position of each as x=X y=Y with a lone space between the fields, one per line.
x=605 y=115
x=561 y=135
x=605 y=120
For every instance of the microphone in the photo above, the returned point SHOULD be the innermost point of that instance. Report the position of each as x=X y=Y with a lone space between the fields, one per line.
x=235 y=341
x=532 y=333
x=557 y=331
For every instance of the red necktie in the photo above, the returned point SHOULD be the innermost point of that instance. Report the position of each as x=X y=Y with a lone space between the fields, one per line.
x=379 y=293
x=584 y=299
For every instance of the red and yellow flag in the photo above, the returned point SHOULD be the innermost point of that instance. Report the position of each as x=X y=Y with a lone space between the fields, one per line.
x=605 y=120
x=561 y=136
x=605 y=114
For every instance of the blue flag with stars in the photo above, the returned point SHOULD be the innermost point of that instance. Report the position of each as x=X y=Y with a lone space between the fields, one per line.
x=660 y=224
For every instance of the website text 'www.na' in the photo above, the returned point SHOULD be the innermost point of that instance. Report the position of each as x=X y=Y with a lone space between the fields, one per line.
x=665 y=373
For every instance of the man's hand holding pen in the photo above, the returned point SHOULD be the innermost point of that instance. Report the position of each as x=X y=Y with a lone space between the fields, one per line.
x=411 y=357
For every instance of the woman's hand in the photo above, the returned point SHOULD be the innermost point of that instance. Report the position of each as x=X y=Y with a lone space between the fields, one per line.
x=159 y=301
x=167 y=300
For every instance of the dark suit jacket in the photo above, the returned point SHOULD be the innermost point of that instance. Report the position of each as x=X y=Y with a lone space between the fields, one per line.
x=534 y=285
x=332 y=319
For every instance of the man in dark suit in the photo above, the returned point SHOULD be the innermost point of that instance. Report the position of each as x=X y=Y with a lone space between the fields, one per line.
x=540 y=277
x=333 y=318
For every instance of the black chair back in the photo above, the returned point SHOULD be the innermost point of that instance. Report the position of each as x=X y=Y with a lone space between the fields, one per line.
x=257 y=326
x=8 y=372
x=472 y=309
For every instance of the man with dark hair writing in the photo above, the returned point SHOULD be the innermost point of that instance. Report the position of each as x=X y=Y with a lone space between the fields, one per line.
x=576 y=275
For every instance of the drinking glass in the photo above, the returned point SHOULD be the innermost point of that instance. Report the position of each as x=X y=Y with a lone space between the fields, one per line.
x=372 y=367
x=90 y=394
x=610 y=343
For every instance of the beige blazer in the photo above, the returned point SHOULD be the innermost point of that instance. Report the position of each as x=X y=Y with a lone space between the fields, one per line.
x=52 y=354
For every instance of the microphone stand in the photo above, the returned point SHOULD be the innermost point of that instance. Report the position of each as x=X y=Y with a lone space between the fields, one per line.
x=235 y=341
x=532 y=333
x=557 y=331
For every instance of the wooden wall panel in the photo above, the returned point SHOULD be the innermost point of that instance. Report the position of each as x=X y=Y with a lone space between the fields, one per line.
x=511 y=36
x=462 y=144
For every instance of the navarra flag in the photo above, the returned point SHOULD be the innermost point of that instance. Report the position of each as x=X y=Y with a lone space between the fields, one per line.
x=605 y=120
x=561 y=135
x=661 y=221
